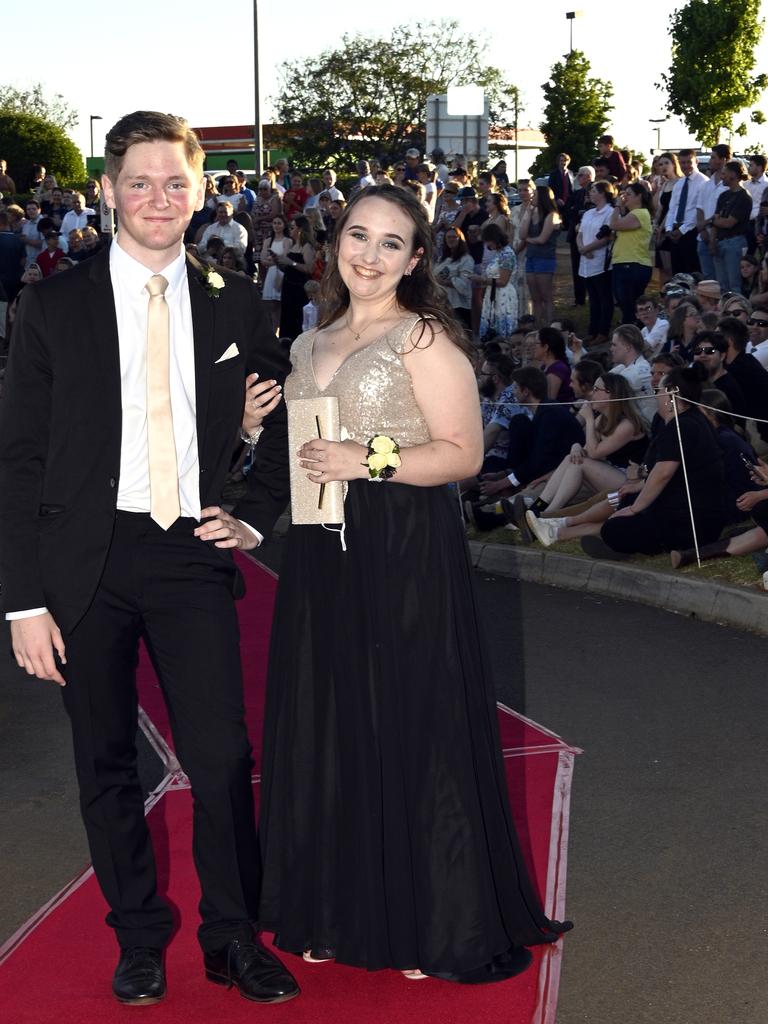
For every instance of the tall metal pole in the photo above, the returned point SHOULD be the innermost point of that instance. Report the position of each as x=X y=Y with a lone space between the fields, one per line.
x=517 y=128
x=258 y=135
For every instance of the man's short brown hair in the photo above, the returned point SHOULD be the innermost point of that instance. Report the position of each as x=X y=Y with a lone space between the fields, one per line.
x=149 y=126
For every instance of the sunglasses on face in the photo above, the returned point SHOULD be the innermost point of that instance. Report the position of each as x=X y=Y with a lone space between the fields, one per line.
x=704 y=350
x=757 y=323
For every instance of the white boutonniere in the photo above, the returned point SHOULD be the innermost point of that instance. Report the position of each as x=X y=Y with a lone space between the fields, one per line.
x=214 y=282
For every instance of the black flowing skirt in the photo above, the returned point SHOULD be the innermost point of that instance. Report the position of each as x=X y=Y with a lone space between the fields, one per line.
x=385 y=827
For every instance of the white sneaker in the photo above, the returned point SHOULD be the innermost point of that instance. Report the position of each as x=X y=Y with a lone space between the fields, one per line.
x=544 y=530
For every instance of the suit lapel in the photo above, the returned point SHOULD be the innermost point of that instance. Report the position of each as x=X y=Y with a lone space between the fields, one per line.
x=203 y=329
x=105 y=346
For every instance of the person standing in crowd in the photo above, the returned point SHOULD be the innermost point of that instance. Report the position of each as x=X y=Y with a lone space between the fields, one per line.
x=707 y=203
x=437 y=157
x=145 y=468
x=731 y=226
x=670 y=172
x=7 y=184
x=13 y=257
x=51 y=255
x=631 y=265
x=612 y=159
x=368 y=782
x=578 y=203
x=244 y=190
x=454 y=272
x=30 y=231
x=680 y=225
x=297 y=266
x=329 y=184
x=498 y=316
x=539 y=229
x=225 y=229
x=756 y=182
x=758 y=334
x=592 y=241
x=76 y=218
x=412 y=161
x=275 y=245
x=561 y=182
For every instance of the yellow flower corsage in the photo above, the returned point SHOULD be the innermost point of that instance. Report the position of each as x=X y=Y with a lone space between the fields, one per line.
x=383 y=458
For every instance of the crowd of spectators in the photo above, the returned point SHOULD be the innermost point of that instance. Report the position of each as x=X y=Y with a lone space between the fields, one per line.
x=582 y=433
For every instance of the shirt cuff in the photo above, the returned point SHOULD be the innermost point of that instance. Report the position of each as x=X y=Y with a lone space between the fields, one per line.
x=27 y=614
x=254 y=531
x=513 y=480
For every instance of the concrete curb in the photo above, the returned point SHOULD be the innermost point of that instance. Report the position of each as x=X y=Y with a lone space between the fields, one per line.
x=701 y=599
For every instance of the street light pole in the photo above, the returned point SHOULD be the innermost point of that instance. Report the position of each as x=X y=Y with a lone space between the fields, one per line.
x=94 y=117
x=258 y=134
x=571 y=16
x=658 y=121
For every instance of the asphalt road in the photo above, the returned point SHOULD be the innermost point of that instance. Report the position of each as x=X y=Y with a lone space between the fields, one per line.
x=668 y=878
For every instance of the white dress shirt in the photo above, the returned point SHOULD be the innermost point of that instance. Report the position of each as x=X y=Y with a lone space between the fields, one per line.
x=232 y=235
x=696 y=181
x=756 y=189
x=129 y=279
x=69 y=222
x=708 y=195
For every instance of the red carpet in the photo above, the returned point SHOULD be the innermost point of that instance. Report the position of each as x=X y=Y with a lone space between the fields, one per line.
x=44 y=978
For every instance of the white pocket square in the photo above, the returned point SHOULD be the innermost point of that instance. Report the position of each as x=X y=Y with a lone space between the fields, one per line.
x=231 y=352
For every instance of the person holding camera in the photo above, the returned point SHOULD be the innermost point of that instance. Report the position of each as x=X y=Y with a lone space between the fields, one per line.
x=592 y=240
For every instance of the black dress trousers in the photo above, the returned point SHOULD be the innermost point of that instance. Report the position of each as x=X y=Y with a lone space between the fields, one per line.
x=175 y=591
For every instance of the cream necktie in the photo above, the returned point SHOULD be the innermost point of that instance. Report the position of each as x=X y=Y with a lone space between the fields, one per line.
x=164 y=505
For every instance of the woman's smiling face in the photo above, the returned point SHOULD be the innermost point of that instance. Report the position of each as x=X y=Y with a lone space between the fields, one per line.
x=376 y=248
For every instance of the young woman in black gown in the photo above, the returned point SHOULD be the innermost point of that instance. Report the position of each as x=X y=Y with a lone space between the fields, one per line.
x=385 y=828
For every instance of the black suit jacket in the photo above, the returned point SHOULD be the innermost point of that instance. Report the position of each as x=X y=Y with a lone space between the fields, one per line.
x=61 y=422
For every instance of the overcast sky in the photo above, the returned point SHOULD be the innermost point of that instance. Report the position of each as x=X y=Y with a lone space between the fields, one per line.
x=199 y=64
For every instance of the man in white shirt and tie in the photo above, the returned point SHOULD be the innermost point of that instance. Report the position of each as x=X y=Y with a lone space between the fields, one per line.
x=681 y=218
x=123 y=395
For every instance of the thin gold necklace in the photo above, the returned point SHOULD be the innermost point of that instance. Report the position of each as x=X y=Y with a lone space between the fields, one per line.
x=359 y=334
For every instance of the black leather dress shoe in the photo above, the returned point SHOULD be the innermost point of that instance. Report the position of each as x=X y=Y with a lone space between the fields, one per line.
x=255 y=972
x=140 y=976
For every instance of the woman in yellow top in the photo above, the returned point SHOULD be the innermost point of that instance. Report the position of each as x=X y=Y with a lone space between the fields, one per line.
x=631 y=264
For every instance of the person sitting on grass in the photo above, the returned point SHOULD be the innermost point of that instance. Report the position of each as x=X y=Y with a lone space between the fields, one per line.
x=752 y=502
x=709 y=351
x=738 y=454
x=551 y=354
x=659 y=519
x=614 y=436
x=536 y=445
x=653 y=514
x=498 y=406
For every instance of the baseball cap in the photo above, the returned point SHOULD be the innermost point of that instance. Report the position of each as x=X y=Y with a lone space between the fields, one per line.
x=467 y=192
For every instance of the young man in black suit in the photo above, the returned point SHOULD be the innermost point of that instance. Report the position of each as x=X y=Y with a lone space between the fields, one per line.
x=123 y=400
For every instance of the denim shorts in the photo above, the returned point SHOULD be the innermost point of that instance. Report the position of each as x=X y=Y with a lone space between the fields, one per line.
x=539 y=265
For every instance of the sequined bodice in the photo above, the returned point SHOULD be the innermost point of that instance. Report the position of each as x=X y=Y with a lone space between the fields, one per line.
x=372 y=385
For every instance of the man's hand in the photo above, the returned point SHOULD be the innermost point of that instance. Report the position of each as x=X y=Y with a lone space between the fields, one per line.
x=34 y=640
x=224 y=530
x=494 y=488
x=747 y=501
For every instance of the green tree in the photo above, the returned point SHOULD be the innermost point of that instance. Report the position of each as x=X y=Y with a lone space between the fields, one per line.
x=575 y=113
x=26 y=140
x=368 y=98
x=713 y=56
x=33 y=101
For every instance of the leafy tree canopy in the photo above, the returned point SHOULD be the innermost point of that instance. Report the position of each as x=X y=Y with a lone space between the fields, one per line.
x=33 y=101
x=368 y=98
x=26 y=140
x=576 y=113
x=713 y=57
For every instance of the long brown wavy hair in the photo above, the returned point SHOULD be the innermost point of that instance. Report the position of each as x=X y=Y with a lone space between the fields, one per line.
x=417 y=292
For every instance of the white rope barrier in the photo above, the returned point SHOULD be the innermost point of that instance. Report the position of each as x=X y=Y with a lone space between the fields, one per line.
x=673 y=397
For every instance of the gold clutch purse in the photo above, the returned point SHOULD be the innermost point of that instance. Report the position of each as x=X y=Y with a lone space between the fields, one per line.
x=313 y=503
